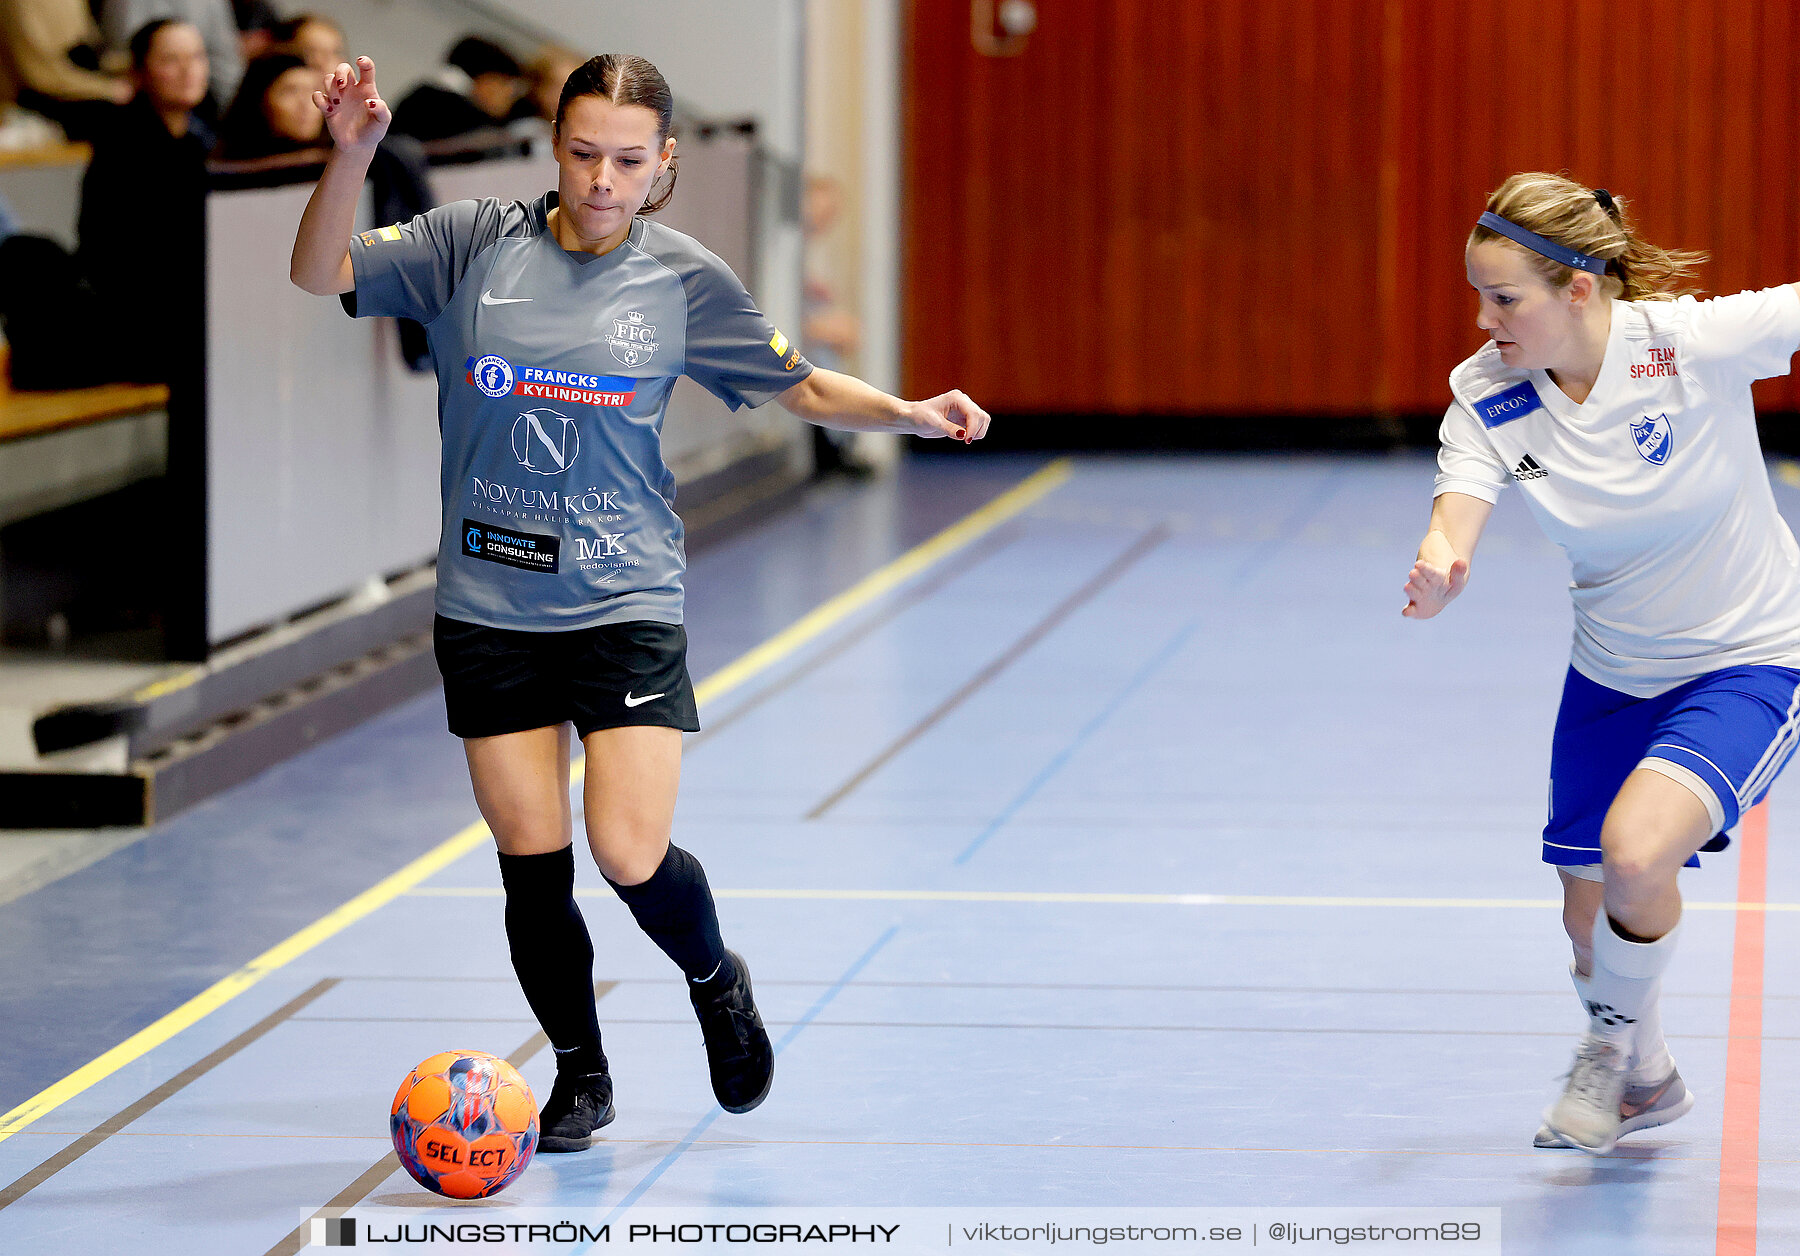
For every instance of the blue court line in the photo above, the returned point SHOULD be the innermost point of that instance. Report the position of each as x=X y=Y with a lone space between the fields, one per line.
x=637 y=1192
x=1088 y=730
x=1255 y=562
x=1300 y=516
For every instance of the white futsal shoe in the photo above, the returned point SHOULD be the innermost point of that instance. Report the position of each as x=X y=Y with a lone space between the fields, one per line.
x=1644 y=1105
x=1599 y=1103
x=1586 y=1115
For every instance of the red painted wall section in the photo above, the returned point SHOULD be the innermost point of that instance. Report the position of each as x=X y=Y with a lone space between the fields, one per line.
x=1259 y=206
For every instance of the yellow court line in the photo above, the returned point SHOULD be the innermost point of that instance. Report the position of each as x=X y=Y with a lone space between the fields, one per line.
x=921 y=557
x=168 y=684
x=971 y=527
x=889 y=577
x=1057 y=896
x=228 y=988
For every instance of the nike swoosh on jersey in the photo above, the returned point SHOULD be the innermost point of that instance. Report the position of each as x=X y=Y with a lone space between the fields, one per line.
x=637 y=702
x=488 y=298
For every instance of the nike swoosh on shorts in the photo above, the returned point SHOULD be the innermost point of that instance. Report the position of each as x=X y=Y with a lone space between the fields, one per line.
x=636 y=702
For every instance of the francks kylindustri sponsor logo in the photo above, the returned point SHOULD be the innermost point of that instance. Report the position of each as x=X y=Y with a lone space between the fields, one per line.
x=496 y=377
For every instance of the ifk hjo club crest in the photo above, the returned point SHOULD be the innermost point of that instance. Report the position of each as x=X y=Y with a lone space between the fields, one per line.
x=1655 y=438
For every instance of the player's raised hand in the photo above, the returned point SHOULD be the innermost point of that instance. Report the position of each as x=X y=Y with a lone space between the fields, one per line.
x=354 y=110
x=952 y=415
x=1436 y=578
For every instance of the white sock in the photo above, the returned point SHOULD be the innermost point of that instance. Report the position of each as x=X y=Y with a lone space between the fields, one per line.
x=1650 y=1058
x=1622 y=993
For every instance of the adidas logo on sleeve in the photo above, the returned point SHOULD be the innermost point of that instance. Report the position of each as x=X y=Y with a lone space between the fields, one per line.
x=1528 y=469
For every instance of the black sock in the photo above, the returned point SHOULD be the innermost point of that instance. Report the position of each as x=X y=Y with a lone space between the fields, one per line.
x=552 y=954
x=675 y=909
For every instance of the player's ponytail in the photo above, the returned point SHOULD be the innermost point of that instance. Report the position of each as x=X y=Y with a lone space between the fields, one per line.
x=625 y=78
x=1595 y=223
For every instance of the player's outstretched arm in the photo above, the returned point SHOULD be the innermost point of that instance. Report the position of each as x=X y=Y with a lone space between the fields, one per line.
x=832 y=399
x=358 y=118
x=1442 y=568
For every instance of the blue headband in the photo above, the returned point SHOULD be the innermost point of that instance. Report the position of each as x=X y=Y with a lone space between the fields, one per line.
x=1538 y=244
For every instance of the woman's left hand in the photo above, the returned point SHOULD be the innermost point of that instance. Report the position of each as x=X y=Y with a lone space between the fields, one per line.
x=354 y=111
x=952 y=415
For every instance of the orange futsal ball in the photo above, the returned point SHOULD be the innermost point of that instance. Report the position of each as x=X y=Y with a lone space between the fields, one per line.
x=464 y=1124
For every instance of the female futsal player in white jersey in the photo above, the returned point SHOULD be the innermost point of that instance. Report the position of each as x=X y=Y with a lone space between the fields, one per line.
x=558 y=329
x=1623 y=411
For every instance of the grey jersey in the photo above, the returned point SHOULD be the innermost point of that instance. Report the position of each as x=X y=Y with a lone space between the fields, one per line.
x=554 y=372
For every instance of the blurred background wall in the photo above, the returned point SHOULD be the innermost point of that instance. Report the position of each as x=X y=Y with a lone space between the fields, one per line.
x=1258 y=207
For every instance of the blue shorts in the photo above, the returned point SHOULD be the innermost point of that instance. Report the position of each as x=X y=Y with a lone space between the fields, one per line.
x=1725 y=736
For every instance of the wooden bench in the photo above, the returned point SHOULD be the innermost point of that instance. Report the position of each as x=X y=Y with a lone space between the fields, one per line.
x=48 y=155
x=25 y=414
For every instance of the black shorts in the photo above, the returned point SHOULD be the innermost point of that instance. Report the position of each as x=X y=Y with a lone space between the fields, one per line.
x=499 y=680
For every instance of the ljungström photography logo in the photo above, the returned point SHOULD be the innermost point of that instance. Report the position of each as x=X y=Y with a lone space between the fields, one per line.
x=333 y=1232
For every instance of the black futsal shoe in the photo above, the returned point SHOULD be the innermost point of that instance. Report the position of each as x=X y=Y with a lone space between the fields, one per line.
x=579 y=1104
x=737 y=1046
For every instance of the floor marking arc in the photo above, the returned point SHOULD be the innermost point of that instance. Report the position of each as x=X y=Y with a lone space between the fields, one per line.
x=971 y=527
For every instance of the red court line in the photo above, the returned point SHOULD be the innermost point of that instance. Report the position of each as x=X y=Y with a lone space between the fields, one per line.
x=1739 y=1151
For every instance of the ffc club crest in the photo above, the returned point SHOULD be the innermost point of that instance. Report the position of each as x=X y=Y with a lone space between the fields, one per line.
x=633 y=340
x=1655 y=438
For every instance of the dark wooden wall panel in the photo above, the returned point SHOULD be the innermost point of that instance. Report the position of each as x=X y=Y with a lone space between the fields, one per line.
x=1259 y=206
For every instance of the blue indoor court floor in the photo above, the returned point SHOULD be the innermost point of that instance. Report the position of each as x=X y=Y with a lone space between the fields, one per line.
x=1120 y=846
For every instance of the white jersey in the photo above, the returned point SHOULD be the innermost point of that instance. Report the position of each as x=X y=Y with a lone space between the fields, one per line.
x=1655 y=486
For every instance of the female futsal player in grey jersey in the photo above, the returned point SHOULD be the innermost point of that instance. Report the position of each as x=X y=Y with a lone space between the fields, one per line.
x=558 y=329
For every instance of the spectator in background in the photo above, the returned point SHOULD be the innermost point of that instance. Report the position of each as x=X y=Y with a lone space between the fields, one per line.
x=128 y=304
x=544 y=78
x=316 y=40
x=214 y=19
x=476 y=90
x=140 y=253
x=273 y=112
x=169 y=67
x=256 y=23
x=50 y=64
